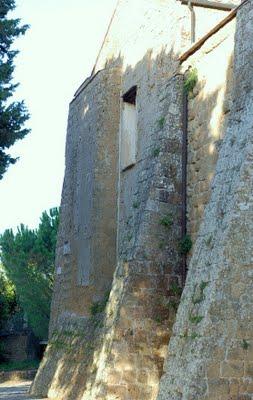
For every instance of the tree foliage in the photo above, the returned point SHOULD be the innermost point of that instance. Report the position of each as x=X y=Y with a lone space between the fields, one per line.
x=28 y=258
x=7 y=298
x=12 y=114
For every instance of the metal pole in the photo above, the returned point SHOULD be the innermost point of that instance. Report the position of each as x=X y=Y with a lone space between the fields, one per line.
x=184 y=178
x=193 y=21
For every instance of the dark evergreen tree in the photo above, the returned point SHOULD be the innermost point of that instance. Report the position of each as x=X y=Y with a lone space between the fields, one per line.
x=28 y=259
x=7 y=298
x=12 y=114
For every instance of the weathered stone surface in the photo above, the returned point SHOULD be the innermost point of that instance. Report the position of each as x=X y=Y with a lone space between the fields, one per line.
x=88 y=230
x=121 y=224
x=223 y=273
x=208 y=109
x=88 y=209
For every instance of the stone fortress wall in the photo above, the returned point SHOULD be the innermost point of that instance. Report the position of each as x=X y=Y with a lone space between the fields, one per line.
x=210 y=353
x=122 y=208
x=84 y=268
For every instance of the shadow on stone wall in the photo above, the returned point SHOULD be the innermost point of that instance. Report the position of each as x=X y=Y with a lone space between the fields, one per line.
x=211 y=349
x=208 y=118
x=119 y=353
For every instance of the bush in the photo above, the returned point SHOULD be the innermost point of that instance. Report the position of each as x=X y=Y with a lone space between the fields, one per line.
x=191 y=80
x=19 y=365
x=185 y=244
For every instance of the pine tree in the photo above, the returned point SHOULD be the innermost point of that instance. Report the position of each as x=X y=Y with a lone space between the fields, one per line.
x=12 y=114
x=28 y=260
x=7 y=298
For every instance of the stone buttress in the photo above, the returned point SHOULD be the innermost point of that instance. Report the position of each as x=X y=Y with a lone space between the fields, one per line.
x=210 y=354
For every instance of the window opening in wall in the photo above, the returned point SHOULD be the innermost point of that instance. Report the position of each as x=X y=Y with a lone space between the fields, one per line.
x=130 y=95
x=128 y=147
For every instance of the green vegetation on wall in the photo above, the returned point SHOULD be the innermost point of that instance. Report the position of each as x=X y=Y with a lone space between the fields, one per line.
x=166 y=220
x=191 y=80
x=161 y=122
x=185 y=244
x=98 y=307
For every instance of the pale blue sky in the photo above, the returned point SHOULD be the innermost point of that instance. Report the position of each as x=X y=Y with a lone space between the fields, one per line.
x=56 y=55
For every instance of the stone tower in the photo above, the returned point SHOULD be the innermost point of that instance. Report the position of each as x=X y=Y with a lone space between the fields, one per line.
x=158 y=155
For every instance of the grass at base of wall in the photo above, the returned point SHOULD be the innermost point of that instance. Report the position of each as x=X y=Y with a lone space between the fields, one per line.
x=19 y=365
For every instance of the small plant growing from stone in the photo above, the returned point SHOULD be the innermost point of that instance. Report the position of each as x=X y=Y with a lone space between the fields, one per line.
x=208 y=241
x=203 y=285
x=129 y=237
x=173 y=303
x=89 y=346
x=194 y=335
x=58 y=344
x=175 y=289
x=185 y=244
x=161 y=122
x=191 y=80
x=158 y=319
x=98 y=307
x=161 y=245
x=69 y=334
x=156 y=152
x=199 y=296
x=166 y=220
x=136 y=204
x=94 y=370
x=245 y=344
x=184 y=335
x=195 y=319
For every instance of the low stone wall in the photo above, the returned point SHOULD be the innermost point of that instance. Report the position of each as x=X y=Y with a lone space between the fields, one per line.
x=17 y=376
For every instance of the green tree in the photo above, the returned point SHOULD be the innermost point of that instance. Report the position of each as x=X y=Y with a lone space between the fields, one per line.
x=13 y=115
x=28 y=258
x=7 y=298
